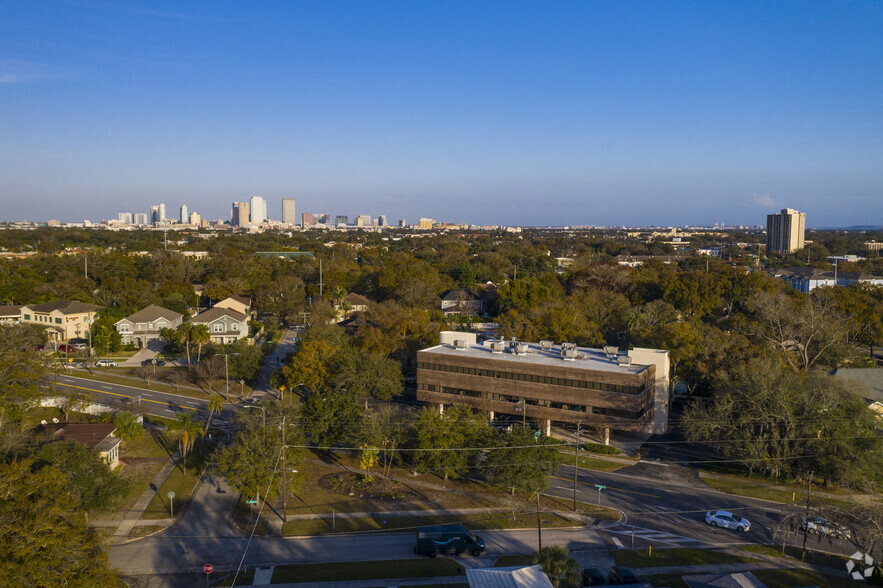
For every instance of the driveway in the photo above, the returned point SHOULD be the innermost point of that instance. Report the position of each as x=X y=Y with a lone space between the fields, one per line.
x=142 y=355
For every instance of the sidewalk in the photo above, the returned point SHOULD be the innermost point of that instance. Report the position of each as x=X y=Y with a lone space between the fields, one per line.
x=133 y=517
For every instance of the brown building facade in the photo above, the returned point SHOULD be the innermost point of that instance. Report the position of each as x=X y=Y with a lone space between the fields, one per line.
x=548 y=383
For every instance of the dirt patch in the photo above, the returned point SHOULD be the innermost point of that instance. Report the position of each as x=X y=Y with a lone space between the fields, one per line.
x=138 y=460
x=672 y=473
x=380 y=490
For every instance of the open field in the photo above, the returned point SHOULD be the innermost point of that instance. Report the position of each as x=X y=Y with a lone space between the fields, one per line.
x=659 y=558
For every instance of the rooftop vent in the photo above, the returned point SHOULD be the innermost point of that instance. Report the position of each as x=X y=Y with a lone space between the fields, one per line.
x=568 y=354
x=459 y=344
x=54 y=420
x=43 y=422
x=624 y=360
x=611 y=350
x=497 y=346
x=568 y=346
x=546 y=344
x=522 y=348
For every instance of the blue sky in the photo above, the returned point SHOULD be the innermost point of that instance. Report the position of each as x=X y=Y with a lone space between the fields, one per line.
x=602 y=113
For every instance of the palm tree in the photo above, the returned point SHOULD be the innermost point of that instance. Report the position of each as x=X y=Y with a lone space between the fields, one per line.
x=199 y=334
x=215 y=403
x=184 y=334
x=188 y=432
x=556 y=562
x=337 y=294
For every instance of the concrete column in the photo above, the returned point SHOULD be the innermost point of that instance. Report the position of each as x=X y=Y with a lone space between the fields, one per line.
x=548 y=427
x=441 y=408
x=490 y=415
x=606 y=436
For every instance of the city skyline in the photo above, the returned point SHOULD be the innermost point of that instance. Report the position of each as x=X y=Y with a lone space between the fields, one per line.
x=591 y=114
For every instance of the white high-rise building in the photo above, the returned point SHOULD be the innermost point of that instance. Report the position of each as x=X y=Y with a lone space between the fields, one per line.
x=125 y=217
x=288 y=214
x=184 y=217
x=363 y=220
x=140 y=218
x=258 y=208
x=381 y=221
x=195 y=219
x=784 y=231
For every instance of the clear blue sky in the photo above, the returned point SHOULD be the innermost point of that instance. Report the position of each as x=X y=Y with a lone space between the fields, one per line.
x=507 y=112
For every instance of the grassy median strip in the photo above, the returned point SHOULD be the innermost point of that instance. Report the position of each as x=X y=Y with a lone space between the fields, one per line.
x=661 y=558
x=381 y=522
x=791 y=552
x=794 y=577
x=505 y=561
x=367 y=570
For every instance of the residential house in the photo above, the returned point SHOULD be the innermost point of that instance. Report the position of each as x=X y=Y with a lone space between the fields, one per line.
x=224 y=325
x=10 y=314
x=63 y=319
x=805 y=279
x=96 y=436
x=147 y=324
x=461 y=301
x=358 y=302
x=508 y=577
x=241 y=304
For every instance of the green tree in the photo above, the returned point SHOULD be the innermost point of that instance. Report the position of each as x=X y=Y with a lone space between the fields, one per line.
x=89 y=478
x=556 y=562
x=449 y=441
x=184 y=335
x=20 y=371
x=330 y=416
x=199 y=335
x=128 y=427
x=188 y=431
x=525 y=462
x=311 y=365
x=46 y=540
x=368 y=374
x=215 y=404
x=245 y=360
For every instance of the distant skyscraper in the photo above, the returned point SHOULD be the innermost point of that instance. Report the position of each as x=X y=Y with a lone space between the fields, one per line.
x=381 y=221
x=784 y=231
x=239 y=215
x=184 y=217
x=162 y=213
x=307 y=219
x=363 y=220
x=258 y=207
x=125 y=217
x=195 y=219
x=426 y=223
x=341 y=220
x=140 y=218
x=403 y=222
x=155 y=217
x=288 y=215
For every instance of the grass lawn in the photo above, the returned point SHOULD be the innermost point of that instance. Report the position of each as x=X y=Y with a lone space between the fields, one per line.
x=792 y=552
x=367 y=570
x=666 y=581
x=145 y=530
x=784 y=493
x=505 y=561
x=601 y=465
x=179 y=483
x=675 y=557
x=789 y=578
x=410 y=523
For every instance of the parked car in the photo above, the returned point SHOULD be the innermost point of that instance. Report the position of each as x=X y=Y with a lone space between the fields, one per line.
x=78 y=341
x=80 y=364
x=153 y=361
x=824 y=527
x=107 y=363
x=727 y=520
x=65 y=348
x=594 y=577
x=620 y=575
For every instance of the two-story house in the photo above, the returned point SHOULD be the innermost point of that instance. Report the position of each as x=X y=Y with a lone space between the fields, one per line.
x=460 y=301
x=63 y=319
x=224 y=325
x=147 y=324
x=241 y=304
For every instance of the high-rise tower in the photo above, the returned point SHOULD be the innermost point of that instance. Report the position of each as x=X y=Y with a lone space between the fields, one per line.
x=784 y=231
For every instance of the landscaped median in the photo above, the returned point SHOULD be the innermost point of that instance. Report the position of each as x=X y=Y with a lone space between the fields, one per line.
x=361 y=570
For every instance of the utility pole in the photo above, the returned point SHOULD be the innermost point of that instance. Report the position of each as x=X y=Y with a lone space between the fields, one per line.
x=284 y=487
x=806 y=516
x=321 y=284
x=86 y=265
x=539 y=528
x=576 y=464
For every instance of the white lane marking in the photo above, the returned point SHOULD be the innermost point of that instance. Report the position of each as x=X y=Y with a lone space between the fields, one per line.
x=618 y=544
x=666 y=508
x=654 y=535
x=654 y=463
x=106 y=387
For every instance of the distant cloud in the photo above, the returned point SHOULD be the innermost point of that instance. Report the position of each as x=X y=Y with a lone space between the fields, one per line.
x=13 y=71
x=764 y=200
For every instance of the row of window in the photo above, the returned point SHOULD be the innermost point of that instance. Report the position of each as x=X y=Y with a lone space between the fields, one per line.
x=216 y=327
x=127 y=328
x=42 y=318
x=598 y=410
x=457 y=369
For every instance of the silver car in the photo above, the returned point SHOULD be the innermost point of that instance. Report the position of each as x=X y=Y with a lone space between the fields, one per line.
x=727 y=520
x=105 y=363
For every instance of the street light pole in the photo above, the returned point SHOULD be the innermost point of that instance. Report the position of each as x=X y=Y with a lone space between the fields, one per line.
x=227 y=372
x=576 y=464
x=284 y=486
x=806 y=516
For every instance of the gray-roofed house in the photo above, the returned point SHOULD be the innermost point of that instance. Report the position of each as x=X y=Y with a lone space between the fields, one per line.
x=461 y=301
x=96 y=436
x=871 y=389
x=147 y=324
x=224 y=325
x=512 y=577
x=10 y=314
x=63 y=319
x=723 y=580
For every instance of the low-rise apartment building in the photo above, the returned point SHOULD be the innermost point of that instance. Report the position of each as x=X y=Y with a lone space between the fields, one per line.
x=224 y=325
x=63 y=319
x=547 y=382
x=147 y=324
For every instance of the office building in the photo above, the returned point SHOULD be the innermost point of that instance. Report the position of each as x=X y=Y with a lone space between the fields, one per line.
x=157 y=214
x=548 y=383
x=183 y=217
x=288 y=214
x=140 y=218
x=784 y=231
x=125 y=217
x=341 y=220
x=258 y=208
x=363 y=220
x=307 y=219
x=402 y=222
x=195 y=219
x=381 y=221
x=239 y=215
x=426 y=223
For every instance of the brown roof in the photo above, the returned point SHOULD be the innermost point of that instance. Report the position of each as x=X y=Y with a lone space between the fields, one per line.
x=65 y=306
x=89 y=434
x=217 y=312
x=357 y=299
x=243 y=299
x=152 y=313
x=10 y=310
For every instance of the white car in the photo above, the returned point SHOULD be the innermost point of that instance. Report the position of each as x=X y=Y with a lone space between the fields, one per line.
x=727 y=520
x=824 y=527
x=105 y=363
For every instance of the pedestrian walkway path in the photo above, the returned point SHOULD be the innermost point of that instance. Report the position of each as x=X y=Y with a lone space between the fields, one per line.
x=390 y=583
x=133 y=517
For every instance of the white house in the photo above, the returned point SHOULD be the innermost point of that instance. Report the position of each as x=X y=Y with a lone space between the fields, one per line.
x=147 y=324
x=224 y=325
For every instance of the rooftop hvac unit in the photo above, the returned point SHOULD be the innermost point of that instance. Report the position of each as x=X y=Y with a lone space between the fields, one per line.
x=459 y=344
x=522 y=348
x=611 y=350
x=546 y=344
x=568 y=354
x=497 y=347
x=568 y=346
x=624 y=360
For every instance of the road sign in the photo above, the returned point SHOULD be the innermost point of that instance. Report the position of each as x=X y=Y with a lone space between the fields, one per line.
x=537 y=434
x=599 y=486
x=251 y=502
x=171 y=495
x=207 y=568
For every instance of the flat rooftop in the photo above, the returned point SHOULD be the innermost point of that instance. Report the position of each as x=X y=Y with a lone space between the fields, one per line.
x=586 y=358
